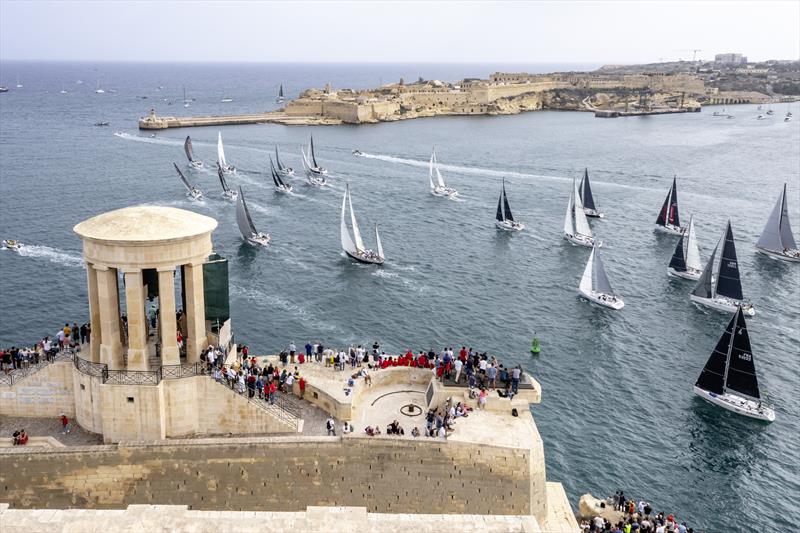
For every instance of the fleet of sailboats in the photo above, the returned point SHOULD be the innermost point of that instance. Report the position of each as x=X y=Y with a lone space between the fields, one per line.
x=668 y=219
x=776 y=240
x=245 y=222
x=187 y=148
x=352 y=244
x=504 y=219
x=221 y=162
x=438 y=186
x=191 y=191
x=595 y=285
x=576 y=226
x=280 y=185
x=227 y=193
x=589 y=209
x=685 y=262
x=729 y=377
x=720 y=286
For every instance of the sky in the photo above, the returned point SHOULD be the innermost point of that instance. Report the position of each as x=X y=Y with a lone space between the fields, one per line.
x=396 y=31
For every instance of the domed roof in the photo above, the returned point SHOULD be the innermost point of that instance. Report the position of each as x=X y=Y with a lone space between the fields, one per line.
x=145 y=223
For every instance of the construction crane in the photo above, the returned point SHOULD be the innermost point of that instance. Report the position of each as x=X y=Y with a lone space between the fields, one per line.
x=694 y=54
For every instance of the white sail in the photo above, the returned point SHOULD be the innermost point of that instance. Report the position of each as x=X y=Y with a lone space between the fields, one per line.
x=600 y=282
x=430 y=171
x=439 y=178
x=306 y=164
x=581 y=223
x=569 y=226
x=356 y=233
x=692 y=251
x=586 y=279
x=347 y=241
x=221 y=152
x=378 y=240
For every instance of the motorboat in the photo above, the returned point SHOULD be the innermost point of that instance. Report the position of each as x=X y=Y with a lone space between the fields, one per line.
x=668 y=220
x=357 y=153
x=102 y=123
x=503 y=218
x=11 y=244
x=776 y=240
x=226 y=100
x=595 y=286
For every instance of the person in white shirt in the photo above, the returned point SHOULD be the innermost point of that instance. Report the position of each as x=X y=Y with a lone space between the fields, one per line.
x=289 y=382
x=442 y=432
x=458 y=366
x=346 y=427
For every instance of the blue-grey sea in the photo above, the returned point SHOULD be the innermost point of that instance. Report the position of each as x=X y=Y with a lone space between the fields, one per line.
x=617 y=409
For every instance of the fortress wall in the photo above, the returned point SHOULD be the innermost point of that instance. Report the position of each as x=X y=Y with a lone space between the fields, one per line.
x=304 y=108
x=46 y=393
x=280 y=474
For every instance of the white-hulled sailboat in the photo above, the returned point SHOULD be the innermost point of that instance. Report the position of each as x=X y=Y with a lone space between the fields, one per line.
x=595 y=286
x=280 y=185
x=504 y=219
x=221 y=162
x=282 y=170
x=310 y=161
x=729 y=378
x=191 y=191
x=226 y=191
x=721 y=288
x=576 y=227
x=249 y=232
x=187 y=147
x=587 y=198
x=353 y=246
x=685 y=263
x=668 y=219
x=438 y=187
x=279 y=99
x=777 y=241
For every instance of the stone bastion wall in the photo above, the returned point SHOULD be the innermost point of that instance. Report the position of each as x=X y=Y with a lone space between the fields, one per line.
x=383 y=475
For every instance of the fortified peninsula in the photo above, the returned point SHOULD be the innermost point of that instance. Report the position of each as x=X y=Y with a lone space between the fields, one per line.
x=611 y=91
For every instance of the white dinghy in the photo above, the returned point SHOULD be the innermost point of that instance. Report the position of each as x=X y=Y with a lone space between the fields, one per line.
x=504 y=219
x=720 y=288
x=576 y=226
x=438 y=186
x=245 y=222
x=668 y=219
x=191 y=191
x=587 y=198
x=187 y=147
x=221 y=162
x=227 y=193
x=353 y=245
x=777 y=241
x=595 y=286
x=686 y=263
x=280 y=185
x=729 y=378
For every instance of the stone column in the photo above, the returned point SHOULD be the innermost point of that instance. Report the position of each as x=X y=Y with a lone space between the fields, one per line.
x=166 y=313
x=195 y=311
x=108 y=306
x=94 y=314
x=138 y=353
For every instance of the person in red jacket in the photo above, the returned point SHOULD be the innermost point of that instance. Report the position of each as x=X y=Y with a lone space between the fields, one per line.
x=302 y=385
x=65 y=424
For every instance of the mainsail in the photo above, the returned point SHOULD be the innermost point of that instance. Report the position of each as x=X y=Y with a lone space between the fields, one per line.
x=276 y=179
x=600 y=282
x=712 y=378
x=356 y=232
x=692 y=251
x=278 y=159
x=678 y=261
x=506 y=209
x=243 y=219
x=222 y=179
x=187 y=147
x=569 y=225
x=586 y=191
x=347 y=242
x=586 y=279
x=704 y=286
x=741 y=376
x=378 y=241
x=221 y=152
x=728 y=282
x=311 y=153
x=280 y=91
x=434 y=168
x=669 y=209
x=183 y=178
x=777 y=234
x=581 y=222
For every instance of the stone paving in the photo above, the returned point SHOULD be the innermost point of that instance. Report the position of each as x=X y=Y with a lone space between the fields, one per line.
x=49 y=427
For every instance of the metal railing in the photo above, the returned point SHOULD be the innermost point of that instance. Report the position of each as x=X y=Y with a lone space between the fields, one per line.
x=18 y=374
x=285 y=408
x=91 y=369
x=133 y=377
x=183 y=370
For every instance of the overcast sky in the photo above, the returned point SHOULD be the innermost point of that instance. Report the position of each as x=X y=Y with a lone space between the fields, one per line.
x=373 y=31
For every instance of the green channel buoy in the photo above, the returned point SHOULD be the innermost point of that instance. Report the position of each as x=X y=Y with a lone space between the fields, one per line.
x=535 y=348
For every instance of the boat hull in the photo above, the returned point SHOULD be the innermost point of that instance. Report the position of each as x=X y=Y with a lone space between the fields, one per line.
x=724 y=304
x=286 y=189
x=605 y=300
x=509 y=226
x=316 y=181
x=286 y=172
x=737 y=404
x=230 y=195
x=12 y=245
x=670 y=229
x=365 y=260
x=792 y=256
x=582 y=240
x=196 y=164
x=195 y=195
x=446 y=192
x=593 y=213
x=693 y=275
x=261 y=239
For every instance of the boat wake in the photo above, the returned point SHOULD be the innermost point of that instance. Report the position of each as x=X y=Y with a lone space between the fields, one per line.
x=148 y=140
x=271 y=300
x=54 y=255
x=384 y=274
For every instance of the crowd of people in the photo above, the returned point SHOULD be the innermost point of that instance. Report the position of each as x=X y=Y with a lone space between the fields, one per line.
x=636 y=518
x=67 y=337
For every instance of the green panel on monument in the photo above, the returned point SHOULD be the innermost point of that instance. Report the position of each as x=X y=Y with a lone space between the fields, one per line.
x=215 y=288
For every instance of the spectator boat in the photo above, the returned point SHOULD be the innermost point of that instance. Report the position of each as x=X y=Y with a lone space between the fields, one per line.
x=777 y=241
x=589 y=209
x=227 y=193
x=282 y=170
x=221 y=162
x=686 y=263
x=729 y=378
x=668 y=219
x=595 y=285
x=280 y=185
x=245 y=223
x=504 y=219
x=721 y=288
x=187 y=147
x=576 y=226
x=438 y=188
x=191 y=191
x=353 y=246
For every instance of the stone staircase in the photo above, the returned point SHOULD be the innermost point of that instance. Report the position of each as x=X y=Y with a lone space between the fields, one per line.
x=285 y=409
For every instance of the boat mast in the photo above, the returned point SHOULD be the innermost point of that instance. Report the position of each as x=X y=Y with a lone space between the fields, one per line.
x=735 y=323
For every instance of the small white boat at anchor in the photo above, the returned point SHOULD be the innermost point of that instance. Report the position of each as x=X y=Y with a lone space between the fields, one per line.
x=191 y=191
x=685 y=263
x=187 y=148
x=245 y=222
x=587 y=198
x=777 y=240
x=227 y=193
x=595 y=285
x=353 y=245
x=221 y=162
x=438 y=186
x=576 y=226
x=280 y=185
x=668 y=220
x=504 y=219
x=729 y=377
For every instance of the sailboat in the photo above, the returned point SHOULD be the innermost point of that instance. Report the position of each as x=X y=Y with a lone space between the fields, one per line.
x=314 y=172
x=245 y=222
x=283 y=170
x=279 y=99
x=19 y=83
x=729 y=378
x=353 y=246
x=685 y=263
x=98 y=90
x=576 y=226
x=280 y=185
x=504 y=219
x=221 y=163
x=721 y=288
x=438 y=187
x=668 y=220
x=186 y=103
x=595 y=286
x=776 y=240
x=226 y=191
x=587 y=198
x=191 y=191
x=187 y=147
x=769 y=110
